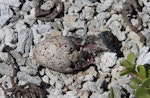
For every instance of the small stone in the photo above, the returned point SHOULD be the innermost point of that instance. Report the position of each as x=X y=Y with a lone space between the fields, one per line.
x=30 y=19
x=81 y=78
x=117 y=5
x=5 y=13
x=101 y=7
x=13 y=3
x=3 y=56
x=76 y=7
x=89 y=2
x=72 y=93
x=47 y=5
x=8 y=31
x=53 y=81
x=147 y=5
x=57 y=24
x=126 y=47
x=6 y=81
x=48 y=72
x=30 y=63
x=88 y=77
x=53 y=78
x=45 y=79
x=65 y=89
x=20 y=25
x=114 y=17
x=67 y=80
x=36 y=36
x=116 y=30
x=107 y=61
x=135 y=22
x=42 y=72
x=23 y=76
x=101 y=84
x=55 y=96
x=135 y=39
x=2 y=35
x=28 y=70
x=98 y=95
x=81 y=32
x=59 y=85
x=25 y=37
x=19 y=59
x=89 y=86
x=119 y=92
x=97 y=86
x=88 y=12
x=42 y=28
x=94 y=25
x=57 y=92
x=92 y=71
x=148 y=38
x=66 y=7
x=144 y=56
x=103 y=15
x=145 y=18
x=5 y=69
x=2 y=94
x=71 y=23
x=26 y=6
x=84 y=94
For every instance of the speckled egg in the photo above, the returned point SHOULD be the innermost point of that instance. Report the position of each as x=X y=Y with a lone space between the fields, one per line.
x=57 y=53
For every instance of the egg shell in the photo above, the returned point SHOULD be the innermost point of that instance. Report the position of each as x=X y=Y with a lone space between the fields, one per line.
x=57 y=53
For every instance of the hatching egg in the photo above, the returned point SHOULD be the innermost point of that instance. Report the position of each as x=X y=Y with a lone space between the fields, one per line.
x=68 y=54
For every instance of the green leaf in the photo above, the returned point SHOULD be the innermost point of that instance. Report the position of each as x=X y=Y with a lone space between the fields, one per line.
x=146 y=82
x=126 y=64
x=135 y=81
x=141 y=93
x=131 y=58
x=133 y=67
x=133 y=86
x=142 y=71
x=148 y=90
x=111 y=91
x=124 y=72
x=148 y=73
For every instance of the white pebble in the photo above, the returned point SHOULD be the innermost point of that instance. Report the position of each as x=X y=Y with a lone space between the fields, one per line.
x=23 y=76
x=115 y=27
x=144 y=56
x=107 y=60
x=104 y=6
x=5 y=13
x=5 y=69
x=45 y=79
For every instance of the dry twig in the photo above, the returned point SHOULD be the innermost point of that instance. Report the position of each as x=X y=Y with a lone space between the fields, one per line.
x=129 y=7
x=48 y=15
x=28 y=90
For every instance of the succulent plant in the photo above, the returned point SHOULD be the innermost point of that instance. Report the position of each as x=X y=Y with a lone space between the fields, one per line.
x=140 y=80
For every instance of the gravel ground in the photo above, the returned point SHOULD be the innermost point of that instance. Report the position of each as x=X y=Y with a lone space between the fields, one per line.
x=24 y=25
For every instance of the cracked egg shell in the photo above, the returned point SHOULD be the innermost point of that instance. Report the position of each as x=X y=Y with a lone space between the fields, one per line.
x=57 y=53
